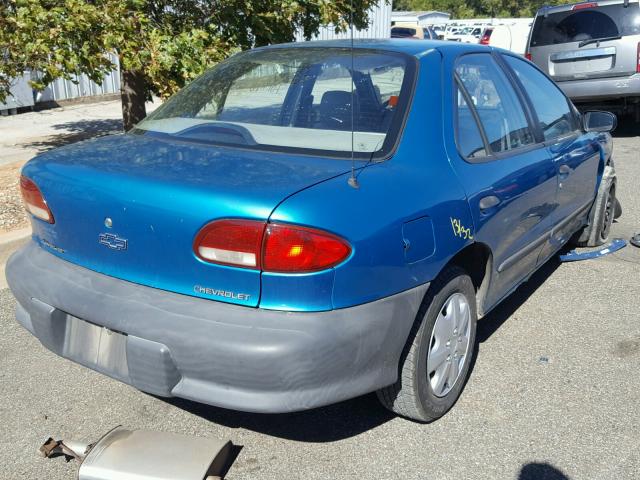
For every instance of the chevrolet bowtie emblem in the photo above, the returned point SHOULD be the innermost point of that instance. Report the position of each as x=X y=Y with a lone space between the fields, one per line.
x=112 y=241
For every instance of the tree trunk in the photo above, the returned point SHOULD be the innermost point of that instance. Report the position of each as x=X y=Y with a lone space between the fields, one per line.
x=134 y=94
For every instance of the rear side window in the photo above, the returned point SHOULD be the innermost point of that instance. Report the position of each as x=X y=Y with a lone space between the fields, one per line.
x=551 y=106
x=469 y=139
x=496 y=102
x=582 y=24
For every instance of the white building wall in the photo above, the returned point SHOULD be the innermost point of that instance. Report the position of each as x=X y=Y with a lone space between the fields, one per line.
x=379 y=26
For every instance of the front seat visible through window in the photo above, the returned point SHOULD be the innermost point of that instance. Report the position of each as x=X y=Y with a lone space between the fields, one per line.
x=335 y=111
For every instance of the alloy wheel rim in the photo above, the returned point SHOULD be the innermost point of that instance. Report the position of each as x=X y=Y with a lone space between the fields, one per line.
x=449 y=345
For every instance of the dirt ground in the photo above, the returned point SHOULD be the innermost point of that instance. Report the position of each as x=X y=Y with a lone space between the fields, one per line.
x=12 y=214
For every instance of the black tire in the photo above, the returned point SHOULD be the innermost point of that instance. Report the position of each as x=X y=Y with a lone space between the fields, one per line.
x=412 y=396
x=618 y=211
x=602 y=213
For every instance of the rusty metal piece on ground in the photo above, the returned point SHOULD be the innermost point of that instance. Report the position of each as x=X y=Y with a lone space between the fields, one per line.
x=54 y=448
x=123 y=454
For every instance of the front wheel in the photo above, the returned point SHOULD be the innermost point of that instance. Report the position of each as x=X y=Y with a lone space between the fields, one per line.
x=435 y=363
x=604 y=210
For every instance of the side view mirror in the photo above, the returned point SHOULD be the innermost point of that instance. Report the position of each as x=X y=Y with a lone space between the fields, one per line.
x=599 y=121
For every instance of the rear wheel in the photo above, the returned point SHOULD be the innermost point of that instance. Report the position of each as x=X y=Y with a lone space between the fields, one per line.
x=435 y=363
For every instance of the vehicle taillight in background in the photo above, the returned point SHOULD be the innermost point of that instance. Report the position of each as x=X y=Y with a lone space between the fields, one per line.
x=34 y=202
x=486 y=37
x=527 y=56
x=582 y=6
x=272 y=247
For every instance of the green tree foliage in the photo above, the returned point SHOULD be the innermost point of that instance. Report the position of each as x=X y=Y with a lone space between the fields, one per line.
x=161 y=44
x=478 y=8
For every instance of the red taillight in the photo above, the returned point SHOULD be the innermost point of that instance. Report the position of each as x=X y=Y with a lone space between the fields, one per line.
x=270 y=247
x=486 y=38
x=527 y=56
x=34 y=202
x=293 y=249
x=582 y=6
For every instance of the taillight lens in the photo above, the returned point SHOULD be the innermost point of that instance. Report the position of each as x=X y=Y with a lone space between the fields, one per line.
x=527 y=56
x=34 y=202
x=582 y=6
x=270 y=247
x=230 y=242
x=294 y=249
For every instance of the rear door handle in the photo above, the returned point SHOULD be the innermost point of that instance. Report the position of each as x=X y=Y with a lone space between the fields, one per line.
x=488 y=202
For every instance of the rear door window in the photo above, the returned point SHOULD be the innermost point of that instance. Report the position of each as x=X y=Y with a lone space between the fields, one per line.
x=580 y=24
x=554 y=114
x=496 y=102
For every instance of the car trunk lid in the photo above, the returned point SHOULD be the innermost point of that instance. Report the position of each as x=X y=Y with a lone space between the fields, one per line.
x=130 y=207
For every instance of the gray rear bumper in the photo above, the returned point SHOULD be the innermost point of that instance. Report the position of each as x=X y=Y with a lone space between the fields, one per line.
x=225 y=355
x=601 y=89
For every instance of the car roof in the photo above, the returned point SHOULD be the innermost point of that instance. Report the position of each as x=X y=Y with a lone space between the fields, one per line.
x=412 y=47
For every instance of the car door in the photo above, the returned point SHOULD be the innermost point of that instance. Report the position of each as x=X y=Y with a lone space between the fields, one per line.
x=505 y=170
x=575 y=154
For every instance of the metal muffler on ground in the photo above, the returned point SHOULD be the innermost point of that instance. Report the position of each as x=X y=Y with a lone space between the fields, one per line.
x=124 y=454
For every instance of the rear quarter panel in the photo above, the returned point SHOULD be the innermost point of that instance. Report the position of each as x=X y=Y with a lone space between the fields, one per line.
x=416 y=183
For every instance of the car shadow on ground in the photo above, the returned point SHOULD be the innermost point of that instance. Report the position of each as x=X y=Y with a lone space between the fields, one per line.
x=627 y=127
x=320 y=425
x=76 y=131
x=498 y=316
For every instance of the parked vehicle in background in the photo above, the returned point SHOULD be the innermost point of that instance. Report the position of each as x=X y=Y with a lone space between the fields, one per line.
x=429 y=34
x=486 y=36
x=305 y=223
x=451 y=32
x=408 y=30
x=440 y=30
x=511 y=37
x=469 y=35
x=592 y=51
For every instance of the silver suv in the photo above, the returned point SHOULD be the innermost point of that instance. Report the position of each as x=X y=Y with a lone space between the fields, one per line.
x=592 y=50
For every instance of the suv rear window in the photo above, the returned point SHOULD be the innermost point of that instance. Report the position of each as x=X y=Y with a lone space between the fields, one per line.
x=294 y=100
x=581 y=24
x=402 y=32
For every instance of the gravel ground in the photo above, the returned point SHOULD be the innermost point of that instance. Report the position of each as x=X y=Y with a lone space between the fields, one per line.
x=553 y=395
x=12 y=214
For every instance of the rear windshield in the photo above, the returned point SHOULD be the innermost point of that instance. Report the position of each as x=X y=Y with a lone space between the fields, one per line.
x=402 y=32
x=294 y=99
x=581 y=24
